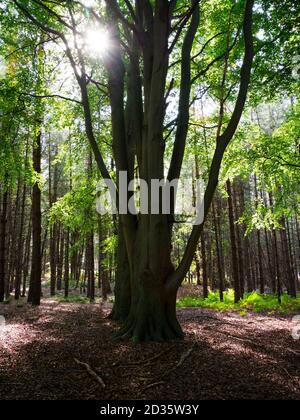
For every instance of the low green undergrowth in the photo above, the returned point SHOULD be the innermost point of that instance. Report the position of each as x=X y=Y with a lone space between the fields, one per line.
x=73 y=299
x=252 y=302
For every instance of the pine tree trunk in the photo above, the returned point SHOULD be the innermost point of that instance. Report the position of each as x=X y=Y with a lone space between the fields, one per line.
x=234 y=255
x=288 y=268
x=36 y=265
x=218 y=250
x=53 y=229
x=60 y=260
x=19 y=261
x=3 y=244
x=259 y=247
x=240 y=252
x=204 y=266
x=26 y=257
x=278 y=275
x=67 y=264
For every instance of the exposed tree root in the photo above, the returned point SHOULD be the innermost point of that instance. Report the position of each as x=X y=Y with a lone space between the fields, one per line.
x=183 y=358
x=147 y=362
x=150 y=330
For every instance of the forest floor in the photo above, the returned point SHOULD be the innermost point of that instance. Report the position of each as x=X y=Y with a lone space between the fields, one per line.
x=224 y=356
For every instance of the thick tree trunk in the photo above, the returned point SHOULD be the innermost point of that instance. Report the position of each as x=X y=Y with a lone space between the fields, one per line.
x=152 y=314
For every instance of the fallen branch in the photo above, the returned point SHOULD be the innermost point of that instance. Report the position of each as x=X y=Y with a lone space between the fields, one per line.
x=91 y=372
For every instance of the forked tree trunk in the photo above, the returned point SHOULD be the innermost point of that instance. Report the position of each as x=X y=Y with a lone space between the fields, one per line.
x=138 y=136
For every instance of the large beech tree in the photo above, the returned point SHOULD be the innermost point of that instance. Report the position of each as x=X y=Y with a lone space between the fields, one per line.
x=145 y=35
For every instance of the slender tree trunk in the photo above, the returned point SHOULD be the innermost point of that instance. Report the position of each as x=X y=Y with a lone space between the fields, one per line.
x=240 y=253
x=26 y=257
x=54 y=228
x=278 y=278
x=234 y=255
x=288 y=268
x=272 y=269
x=13 y=233
x=36 y=264
x=3 y=244
x=67 y=264
x=204 y=266
x=91 y=267
x=198 y=267
x=218 y=250
x=122 y=290
x=60 y=264
x=19 y=260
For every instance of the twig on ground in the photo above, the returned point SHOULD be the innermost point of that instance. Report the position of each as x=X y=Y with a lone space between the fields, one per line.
x=153 y=385
x=91 y=372
x=293 y=351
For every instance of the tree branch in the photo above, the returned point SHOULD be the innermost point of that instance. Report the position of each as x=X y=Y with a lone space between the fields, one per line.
x=184 y=100
x=223 y=141
x=51 y=96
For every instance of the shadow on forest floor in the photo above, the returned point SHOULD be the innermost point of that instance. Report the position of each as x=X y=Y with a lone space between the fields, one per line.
x=226 y=356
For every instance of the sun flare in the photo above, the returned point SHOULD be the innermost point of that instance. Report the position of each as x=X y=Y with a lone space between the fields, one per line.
x=97 y=41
